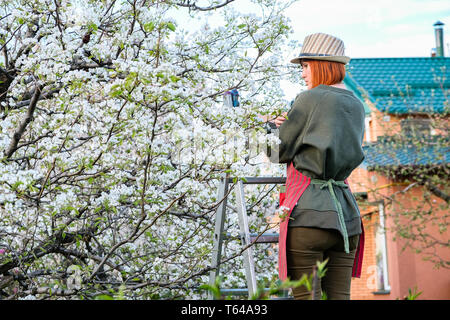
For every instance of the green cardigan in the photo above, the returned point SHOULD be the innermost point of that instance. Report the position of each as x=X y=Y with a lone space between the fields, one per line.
x=323 y=136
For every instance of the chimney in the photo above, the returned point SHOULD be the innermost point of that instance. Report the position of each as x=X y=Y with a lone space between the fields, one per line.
x=439 y=35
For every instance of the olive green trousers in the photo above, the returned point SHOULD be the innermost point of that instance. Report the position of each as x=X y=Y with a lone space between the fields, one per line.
x=305 y=246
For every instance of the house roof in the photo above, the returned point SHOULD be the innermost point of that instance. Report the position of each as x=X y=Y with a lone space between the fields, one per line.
x=388 y=152
x=401 y=85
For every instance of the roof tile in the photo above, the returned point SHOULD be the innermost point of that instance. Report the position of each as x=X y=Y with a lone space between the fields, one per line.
x=422 y=80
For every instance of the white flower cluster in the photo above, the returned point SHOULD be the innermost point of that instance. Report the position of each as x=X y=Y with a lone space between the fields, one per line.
x=123 y=152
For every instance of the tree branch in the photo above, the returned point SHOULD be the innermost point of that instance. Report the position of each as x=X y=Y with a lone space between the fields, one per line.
x=50 y=245
x=29 y=116
x=193 y=6
x=436 y=191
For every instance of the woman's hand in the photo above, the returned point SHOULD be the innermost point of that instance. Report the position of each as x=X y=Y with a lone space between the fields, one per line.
x=280 y=119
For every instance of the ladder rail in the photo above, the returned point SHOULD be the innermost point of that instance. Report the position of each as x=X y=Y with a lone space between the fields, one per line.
x=218 y=231
x=247 y=239
x=249 y=263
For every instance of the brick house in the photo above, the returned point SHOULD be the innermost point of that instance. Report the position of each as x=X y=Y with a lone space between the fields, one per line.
x=401 y=97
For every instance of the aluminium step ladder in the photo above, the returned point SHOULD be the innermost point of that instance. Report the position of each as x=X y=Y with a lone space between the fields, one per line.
x=247 y=238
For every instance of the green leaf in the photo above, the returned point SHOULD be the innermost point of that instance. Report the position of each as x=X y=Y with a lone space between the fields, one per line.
x=149 y=27
x=174 y=78
x=104 y=297
x=92 y=27
x=116 y=91
x=171 y=26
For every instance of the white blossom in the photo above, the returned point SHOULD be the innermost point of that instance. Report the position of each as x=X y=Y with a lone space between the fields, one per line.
x=122 y=156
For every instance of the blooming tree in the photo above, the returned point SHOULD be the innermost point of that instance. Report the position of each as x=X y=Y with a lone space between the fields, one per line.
x=113 y=137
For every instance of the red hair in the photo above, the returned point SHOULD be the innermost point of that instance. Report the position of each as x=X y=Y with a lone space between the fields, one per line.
x=326 y=72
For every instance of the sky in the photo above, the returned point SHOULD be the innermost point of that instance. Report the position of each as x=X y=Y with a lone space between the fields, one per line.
x=381 y=28
x=372 y=28
x=369 y=28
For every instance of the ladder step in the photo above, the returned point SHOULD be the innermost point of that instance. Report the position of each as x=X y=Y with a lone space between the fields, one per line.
x=282 y=298
x=264 y=238
x=244 y=292
x=261 y=180
x=234 y=292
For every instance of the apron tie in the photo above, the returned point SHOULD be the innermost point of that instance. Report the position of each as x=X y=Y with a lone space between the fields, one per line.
x=330 y=183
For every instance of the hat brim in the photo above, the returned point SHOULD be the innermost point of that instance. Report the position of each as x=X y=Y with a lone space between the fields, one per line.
x=340 y=59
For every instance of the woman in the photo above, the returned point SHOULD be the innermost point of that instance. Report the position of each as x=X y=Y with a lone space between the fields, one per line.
x=321 y=142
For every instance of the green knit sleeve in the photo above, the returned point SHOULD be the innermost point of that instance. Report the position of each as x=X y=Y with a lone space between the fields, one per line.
x=293 y=128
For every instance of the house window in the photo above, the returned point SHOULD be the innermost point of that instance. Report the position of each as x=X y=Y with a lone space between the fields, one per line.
x=367 y=124
x=420 y=127
x=382 y=277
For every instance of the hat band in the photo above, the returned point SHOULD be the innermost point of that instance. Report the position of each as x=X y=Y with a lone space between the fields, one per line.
x=316 y=55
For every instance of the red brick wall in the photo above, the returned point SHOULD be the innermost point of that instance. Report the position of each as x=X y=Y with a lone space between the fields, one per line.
x=406 y=267
x=381 y=124
x=362 y=288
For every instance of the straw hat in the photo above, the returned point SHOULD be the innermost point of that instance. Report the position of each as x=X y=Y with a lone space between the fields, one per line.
x=322 y=46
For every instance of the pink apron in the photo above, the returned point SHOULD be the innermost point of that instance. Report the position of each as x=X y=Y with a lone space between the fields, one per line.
x=296 y=184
